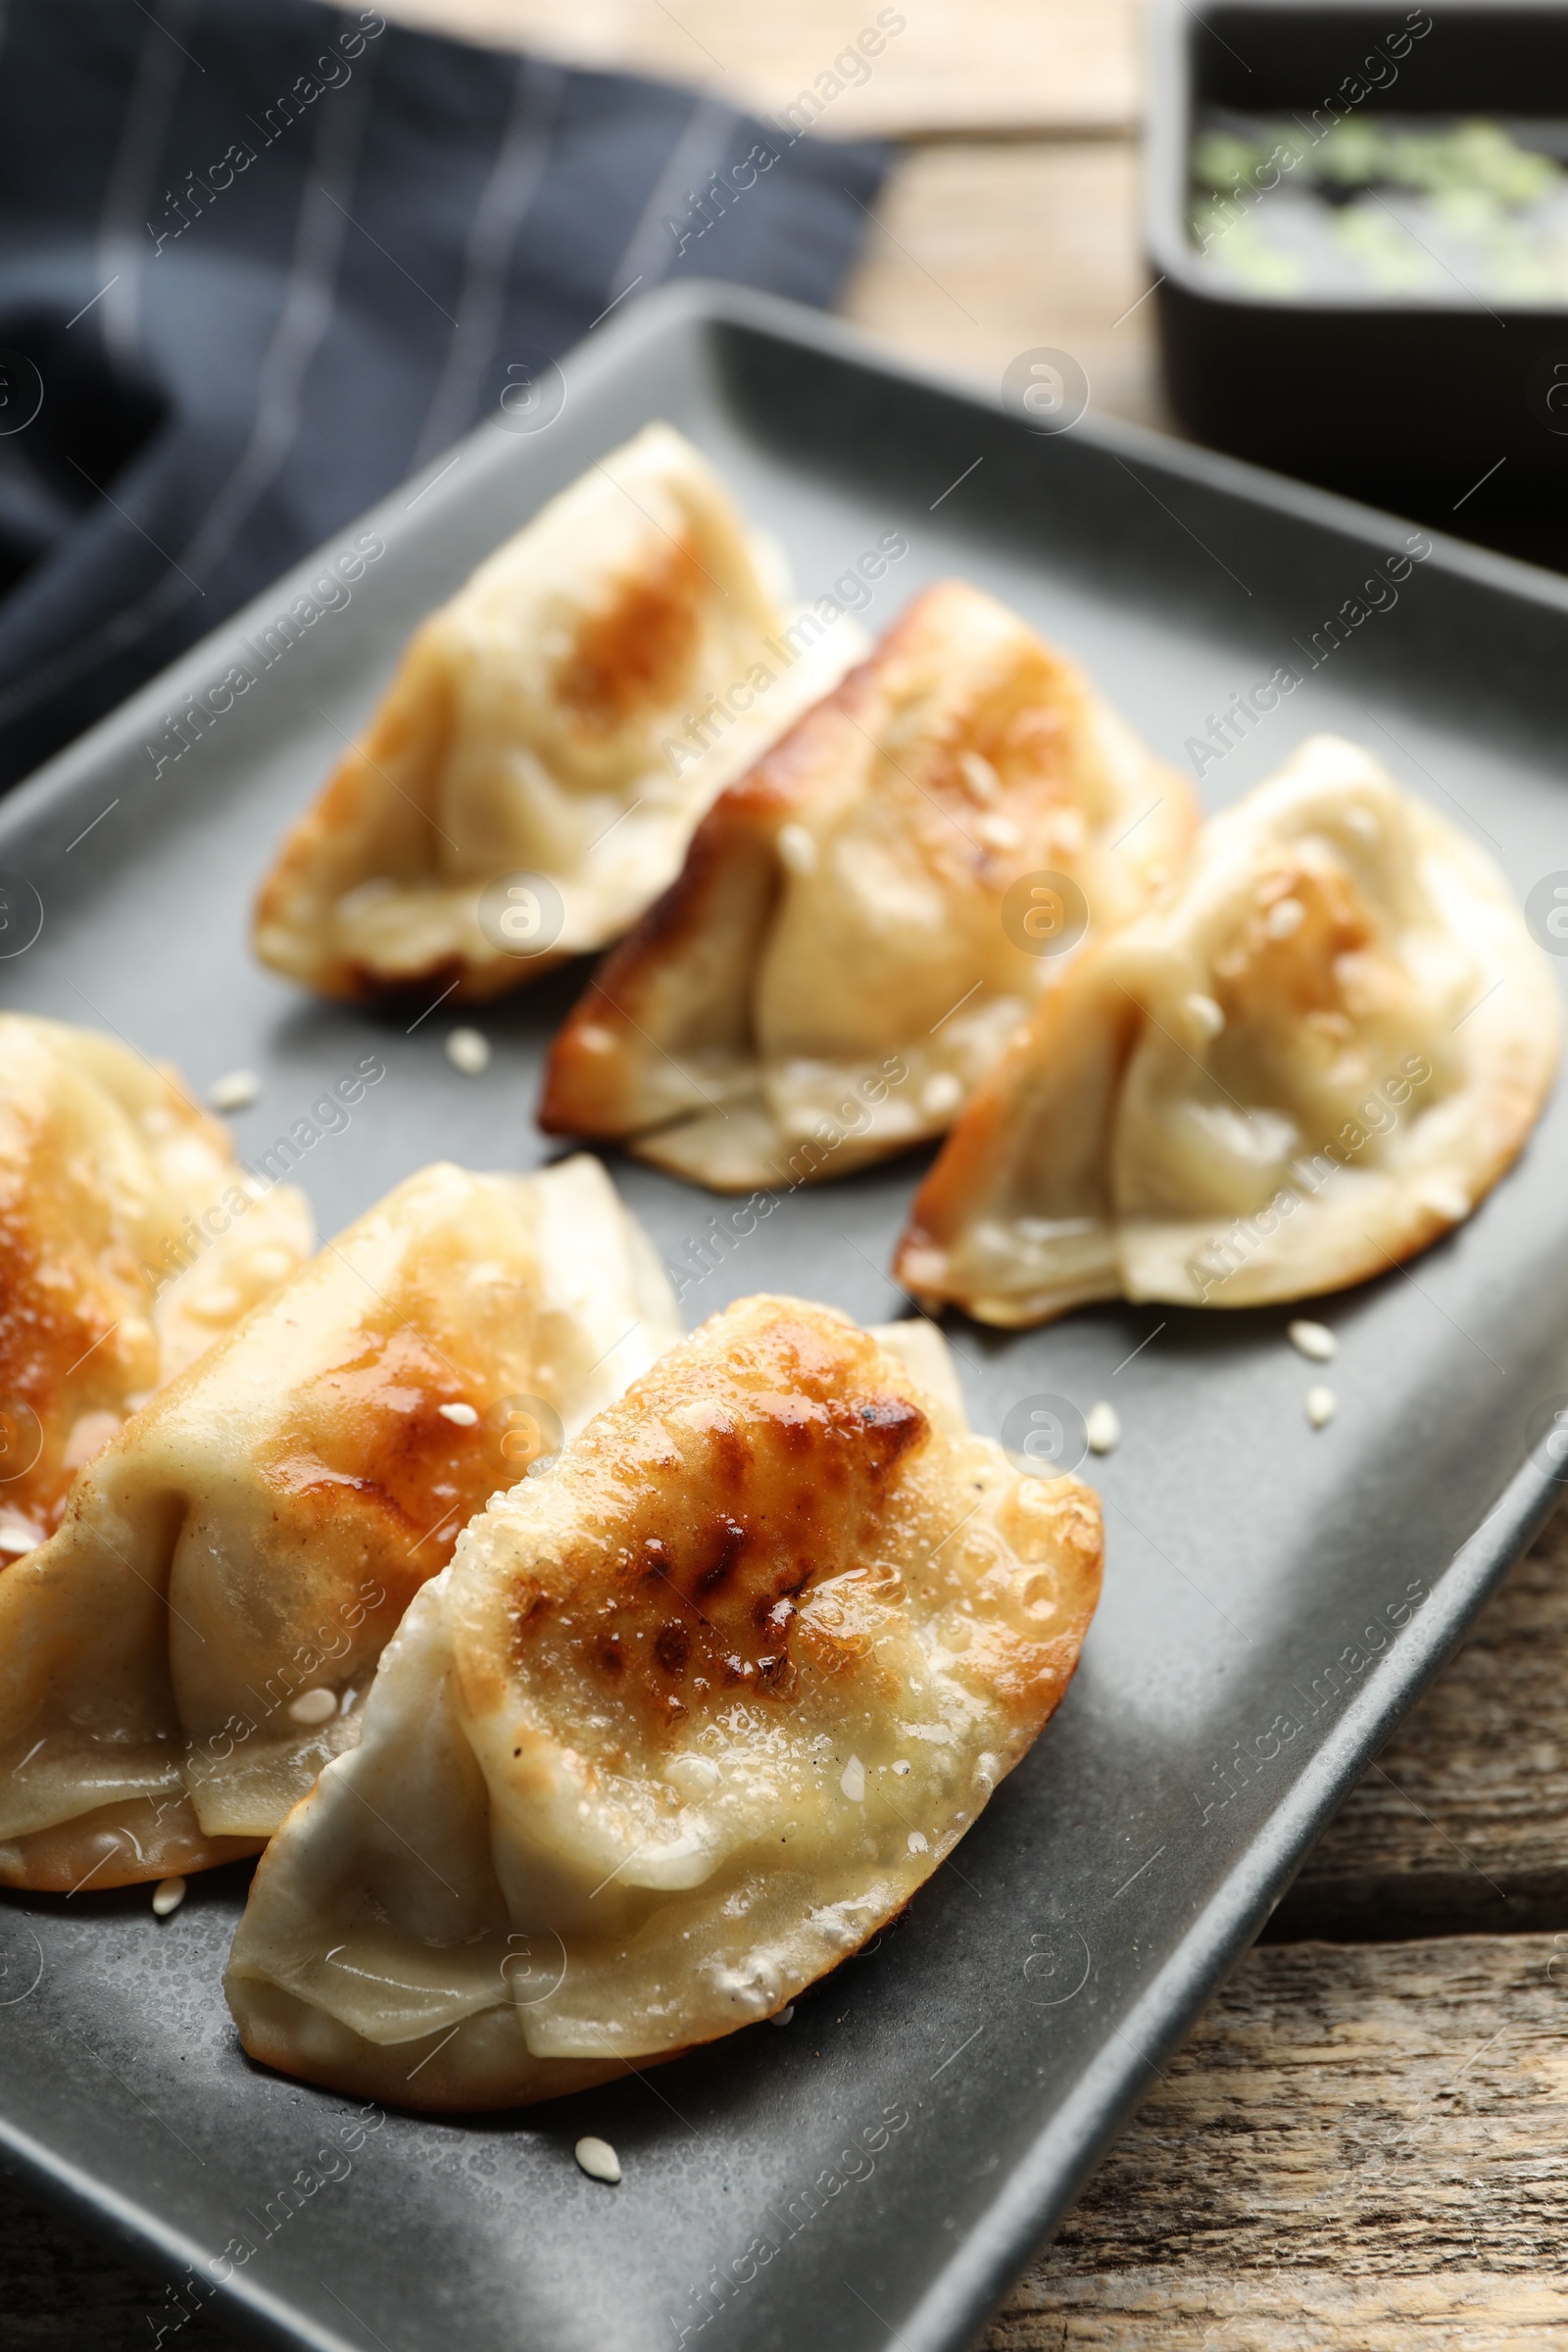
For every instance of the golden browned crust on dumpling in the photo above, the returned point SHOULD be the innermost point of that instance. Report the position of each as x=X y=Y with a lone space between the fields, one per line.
x=129 y=1239
x=834 y=969
x=549 y=720
x=1305 y=1065
x=689 y=1718
x=257 y=1531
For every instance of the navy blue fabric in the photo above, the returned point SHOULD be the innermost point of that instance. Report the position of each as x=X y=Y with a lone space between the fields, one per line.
x=260 y=259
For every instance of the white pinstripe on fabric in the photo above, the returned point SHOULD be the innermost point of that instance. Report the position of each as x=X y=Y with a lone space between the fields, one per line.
x=516 y=177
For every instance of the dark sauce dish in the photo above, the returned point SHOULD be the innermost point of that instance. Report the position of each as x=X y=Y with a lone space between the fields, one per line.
x=1418 y=396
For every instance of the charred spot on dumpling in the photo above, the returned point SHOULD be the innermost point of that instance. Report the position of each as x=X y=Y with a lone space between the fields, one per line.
x=529 y=1607
x=894 y=1424
x=783 y=1476
x=672 y=1646
x=729 y=1540
x=636 y=651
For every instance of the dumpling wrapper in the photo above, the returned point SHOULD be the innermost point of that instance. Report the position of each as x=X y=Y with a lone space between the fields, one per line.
x=538 y=724
x=1305 y=1065
x=832 y=975
x=130 y=1239
x=256 y=1532
x=689 y=1717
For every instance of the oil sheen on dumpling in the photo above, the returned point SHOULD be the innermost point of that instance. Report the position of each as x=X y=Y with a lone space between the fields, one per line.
x=180 y=1661
x=1306 y=1064
x=129 y=1239
x=687 y=1719
x=840 y=963
x=567 y=716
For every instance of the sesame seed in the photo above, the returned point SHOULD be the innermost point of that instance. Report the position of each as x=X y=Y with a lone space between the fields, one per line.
x=168 y=1895
x=941 y=1093
x=464 y=1415
x=312 y=1706
x=783 y=2016
x=598 y=2159
x=237 y=1090
x=979 y=774
x=852 y=1781
x=1314 y=1340
x=468 y=1051
x=997 y=831
x=797 y=848
x=1102 y=1428
x=1321 y=1406
x=1449 y=1200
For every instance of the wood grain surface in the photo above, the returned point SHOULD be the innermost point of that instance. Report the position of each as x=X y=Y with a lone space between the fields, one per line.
x=983 y=250
x=1364 y=2144
x=1360 y=2145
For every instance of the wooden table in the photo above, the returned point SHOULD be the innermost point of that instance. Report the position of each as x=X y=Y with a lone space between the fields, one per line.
x=1364 y=2145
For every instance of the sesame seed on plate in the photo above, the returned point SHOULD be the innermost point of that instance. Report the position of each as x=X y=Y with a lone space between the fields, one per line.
x=598 y=2158
x=468 y=1051
x=1102 y=1428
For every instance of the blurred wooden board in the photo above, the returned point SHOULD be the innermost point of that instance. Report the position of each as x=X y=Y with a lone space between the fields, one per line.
x=983 y=250
x=984 y=245
x=958 y=65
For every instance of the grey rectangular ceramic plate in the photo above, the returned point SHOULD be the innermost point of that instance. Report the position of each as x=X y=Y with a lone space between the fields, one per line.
x=881 y=2167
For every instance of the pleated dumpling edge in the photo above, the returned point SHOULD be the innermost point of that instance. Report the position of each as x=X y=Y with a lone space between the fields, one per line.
x=686 y=1721
x=1308 y=1061
x=551 y=734
x=864 y=917
x=195 y=1641
x=130 y=1239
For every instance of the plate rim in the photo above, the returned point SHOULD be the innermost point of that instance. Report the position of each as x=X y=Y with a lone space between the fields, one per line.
x=1030 y=2204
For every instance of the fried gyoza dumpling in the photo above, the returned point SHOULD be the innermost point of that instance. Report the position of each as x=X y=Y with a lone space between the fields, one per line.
x=1308 y=1062
x=567 y=717
x=129 y=1239
x=689 y=1717
x=180 y=1661
x=851 y=940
